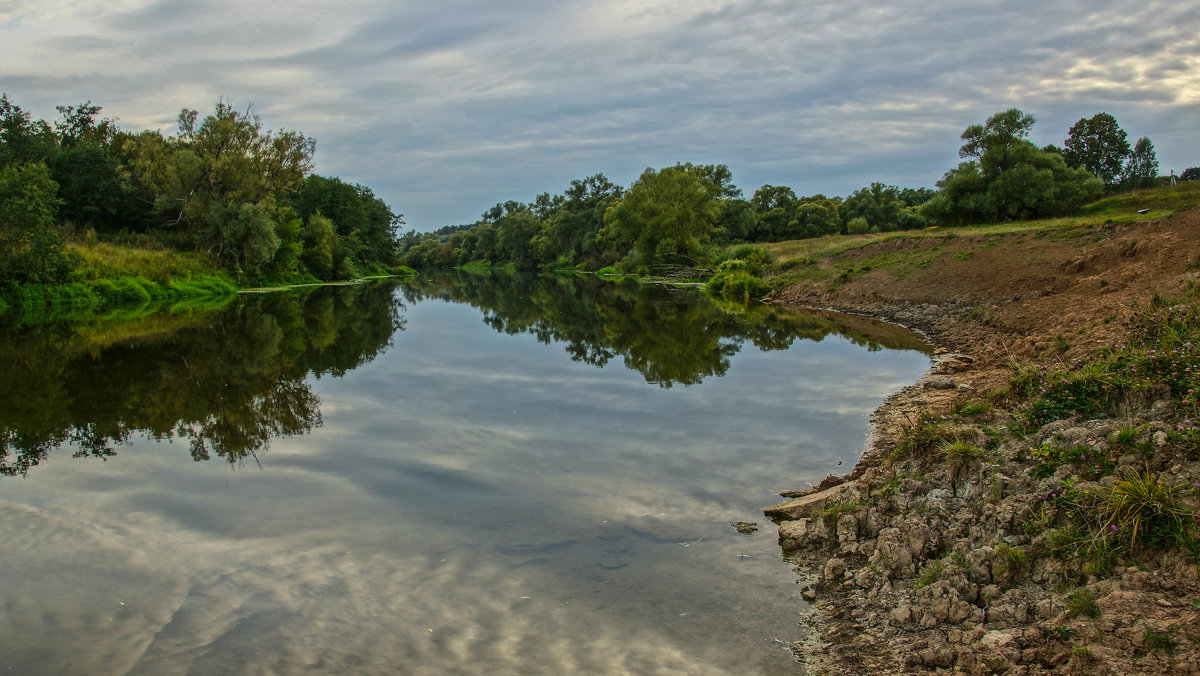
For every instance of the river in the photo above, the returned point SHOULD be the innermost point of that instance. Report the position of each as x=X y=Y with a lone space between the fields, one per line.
x=468 y=473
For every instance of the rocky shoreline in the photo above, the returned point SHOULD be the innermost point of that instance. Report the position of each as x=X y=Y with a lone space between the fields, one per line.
x=956 y=562
x=921 y=567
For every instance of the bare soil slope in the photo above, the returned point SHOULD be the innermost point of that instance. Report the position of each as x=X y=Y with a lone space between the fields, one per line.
x=1006 y=298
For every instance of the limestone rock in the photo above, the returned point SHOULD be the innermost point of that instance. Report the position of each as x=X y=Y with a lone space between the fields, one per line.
x=808 y=505
x=994 y=640
x=940 y=384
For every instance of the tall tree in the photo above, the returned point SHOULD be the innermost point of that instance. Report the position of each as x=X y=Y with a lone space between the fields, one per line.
x=1010 y=178
x=30 y=241
x=1141 y=169
x=997 y=142
x=23 y=139
x=201 y=180
x=1097 y=144
x=665 y=217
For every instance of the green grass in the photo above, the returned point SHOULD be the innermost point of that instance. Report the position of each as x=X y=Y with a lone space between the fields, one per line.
x=798 y=260
x=1010 y=561
x=1157 y=639
x=960 y=454
x=1144 y=510
x=1081 y=602
x=104 y=260
x=924 y=437
x=931 y=572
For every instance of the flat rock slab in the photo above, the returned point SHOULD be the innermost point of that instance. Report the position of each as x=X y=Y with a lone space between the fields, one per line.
x=808 y=505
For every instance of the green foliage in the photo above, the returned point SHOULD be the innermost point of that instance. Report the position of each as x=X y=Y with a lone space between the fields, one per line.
x=883 y=208
x=1158 y=639
x=923 y=437
x=1062 y=632
x=221 y=186
x=664 y=217
x=243 y=235
x=735 y=281
x=1101 y=556
x=1141 y=169
x=23 y=140
x=1099 y=145
x=1088 y=462
x=780 y=215
x=354 y=211
x=320 y=243
x=31 y=243
x=972 y=409
x=1007 y=177
x=1059 y=390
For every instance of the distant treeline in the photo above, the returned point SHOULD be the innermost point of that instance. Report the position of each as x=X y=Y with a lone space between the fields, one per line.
x=685 y=214
x=224 y=187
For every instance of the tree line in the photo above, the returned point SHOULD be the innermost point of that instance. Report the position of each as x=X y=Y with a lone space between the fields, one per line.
x=244 y=383
x=224 y=185
x=685 y=214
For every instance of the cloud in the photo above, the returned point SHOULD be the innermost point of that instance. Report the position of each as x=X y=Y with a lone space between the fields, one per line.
x=446 y=110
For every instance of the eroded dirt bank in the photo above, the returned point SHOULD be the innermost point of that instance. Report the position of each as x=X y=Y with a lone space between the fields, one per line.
x=920 y=565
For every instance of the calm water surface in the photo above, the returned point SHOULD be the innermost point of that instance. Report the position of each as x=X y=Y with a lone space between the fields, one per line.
x=466 y=474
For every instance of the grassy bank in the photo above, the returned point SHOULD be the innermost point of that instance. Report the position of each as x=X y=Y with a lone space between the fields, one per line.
x=778 y=265
x=108 y=277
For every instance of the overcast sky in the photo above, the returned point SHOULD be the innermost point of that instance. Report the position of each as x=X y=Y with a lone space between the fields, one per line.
x=446 y=108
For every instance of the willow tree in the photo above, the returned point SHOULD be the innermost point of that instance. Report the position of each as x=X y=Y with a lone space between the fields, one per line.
x=665 y=217
x=202 y=180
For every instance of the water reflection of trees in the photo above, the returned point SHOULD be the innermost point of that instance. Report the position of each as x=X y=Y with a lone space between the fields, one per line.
x=227 y=381
x=670 y=336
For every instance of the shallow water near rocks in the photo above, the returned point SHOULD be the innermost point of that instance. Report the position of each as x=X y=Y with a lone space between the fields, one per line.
x=463 y=474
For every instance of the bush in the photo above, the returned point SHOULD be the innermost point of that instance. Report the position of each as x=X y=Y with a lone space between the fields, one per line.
x=733 y=282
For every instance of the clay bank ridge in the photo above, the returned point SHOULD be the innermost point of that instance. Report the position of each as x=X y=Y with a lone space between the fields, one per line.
x=1028 y=506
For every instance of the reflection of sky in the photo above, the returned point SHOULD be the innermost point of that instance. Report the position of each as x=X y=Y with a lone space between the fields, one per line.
x=474 y=502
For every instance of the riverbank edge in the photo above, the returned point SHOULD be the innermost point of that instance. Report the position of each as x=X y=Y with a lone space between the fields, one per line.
x=870 y=613
x=98 y=296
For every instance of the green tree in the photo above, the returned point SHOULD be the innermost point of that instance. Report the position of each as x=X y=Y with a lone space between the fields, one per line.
x=1190 y=174
x=775 y=208
x=244 y=235
x=1141 y=169
x=1008 y=177
x=23 y=139
x=91 y=188
x=285 y=263
x=818 y=215
x=998 y=142
x=574 y=224
x=883 y=208
x=1099 y=145
x=221 y=179
x=665 y=217
x=31 y=248
x=320 y=243
x=355 y=211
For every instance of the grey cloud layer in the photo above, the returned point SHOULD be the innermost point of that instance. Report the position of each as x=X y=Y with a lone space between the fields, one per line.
x=445 y=111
